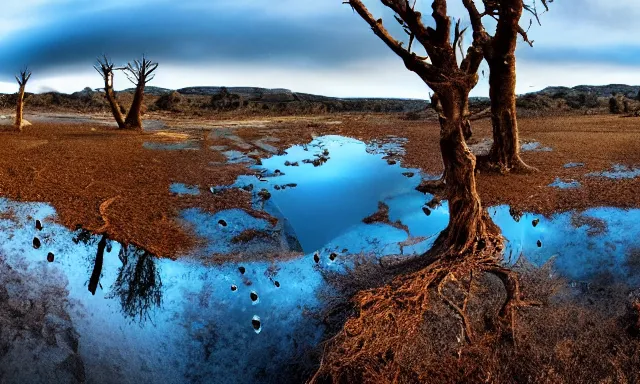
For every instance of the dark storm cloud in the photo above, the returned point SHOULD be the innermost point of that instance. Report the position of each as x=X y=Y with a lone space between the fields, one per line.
x=175 y=34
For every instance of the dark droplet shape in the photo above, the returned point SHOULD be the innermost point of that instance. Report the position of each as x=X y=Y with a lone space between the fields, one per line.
x=535 y=222
x=38 y=225
x=36 y=243
x=539 y=244
x=426 y=211
x=254 y=296
x=256 y=323
x=332 y=256
x=222 y=223
x=50 y=257
x=234 y=288
x=242 y=270
x=316 y=257
x=277 y=284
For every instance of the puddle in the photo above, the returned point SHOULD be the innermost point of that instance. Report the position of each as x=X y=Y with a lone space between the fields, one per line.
x=192 y=320
x=618 y=171
x=559 y=183
x=183 y=189
x=574 y=165
x=534 y=146
x=181 y=146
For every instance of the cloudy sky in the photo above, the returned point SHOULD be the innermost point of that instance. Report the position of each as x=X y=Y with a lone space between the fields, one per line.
x=313 y=46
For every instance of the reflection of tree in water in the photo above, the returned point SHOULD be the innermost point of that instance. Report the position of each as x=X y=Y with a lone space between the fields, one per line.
x=139 y=285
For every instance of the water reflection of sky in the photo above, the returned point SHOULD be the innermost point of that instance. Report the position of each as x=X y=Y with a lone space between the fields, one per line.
x=203 y=331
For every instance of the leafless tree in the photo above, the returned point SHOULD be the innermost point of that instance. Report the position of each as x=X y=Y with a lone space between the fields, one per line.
x=499 y=52
x=105 y=68
x=22 y=80
x=140 y=72
x=451 y=79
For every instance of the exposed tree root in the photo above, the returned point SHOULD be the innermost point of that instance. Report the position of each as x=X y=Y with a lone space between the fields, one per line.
x=488 y=164
x=388 y=319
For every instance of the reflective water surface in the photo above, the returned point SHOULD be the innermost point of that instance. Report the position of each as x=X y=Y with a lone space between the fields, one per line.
x=206 y=319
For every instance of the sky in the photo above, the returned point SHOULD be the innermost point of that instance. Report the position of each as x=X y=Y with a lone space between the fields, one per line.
x=311 y=46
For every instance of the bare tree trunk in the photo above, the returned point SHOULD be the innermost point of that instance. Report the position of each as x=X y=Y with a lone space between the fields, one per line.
x=134 y=117
x=505 y=150
x=113 y=101
x=501 y=57
x=467 y=228
x=19 y=109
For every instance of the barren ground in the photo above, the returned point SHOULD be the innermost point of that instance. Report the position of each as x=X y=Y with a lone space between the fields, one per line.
x=105 y=180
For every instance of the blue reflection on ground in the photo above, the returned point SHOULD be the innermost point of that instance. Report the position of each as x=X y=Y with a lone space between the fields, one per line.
x=203 y=331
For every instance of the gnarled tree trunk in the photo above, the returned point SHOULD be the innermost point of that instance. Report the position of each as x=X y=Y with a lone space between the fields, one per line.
x=24 y=77
x=105 y=69
x=113 y=101
x=134 y=117
x=467 y=228
x=500 y=55
x=19 y=109
x=140 y=72
x=505 y=150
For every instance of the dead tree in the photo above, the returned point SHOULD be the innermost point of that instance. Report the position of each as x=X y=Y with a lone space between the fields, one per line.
x=139 y=73
x=499 y=52
x=22 y=80
x=469 y=228
x=105 y=68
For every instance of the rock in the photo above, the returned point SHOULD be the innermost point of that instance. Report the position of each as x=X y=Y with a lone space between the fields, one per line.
x=535 y=222
x=50 y=257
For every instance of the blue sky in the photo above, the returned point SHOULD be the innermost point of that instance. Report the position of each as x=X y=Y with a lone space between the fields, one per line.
x=317 y=46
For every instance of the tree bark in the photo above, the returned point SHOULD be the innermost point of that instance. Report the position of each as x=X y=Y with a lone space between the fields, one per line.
x=134 y=117
x=20 y=108
x=467 y=227
x=500 y=55
x=113 y=102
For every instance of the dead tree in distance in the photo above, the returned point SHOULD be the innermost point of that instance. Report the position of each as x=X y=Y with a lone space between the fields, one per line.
x=105 y=68
x=22 y=80
x=469 y=227
x=139 y=73
x=499 y=52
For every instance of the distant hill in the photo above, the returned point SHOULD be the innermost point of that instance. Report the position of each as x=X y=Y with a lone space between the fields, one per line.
x=630 y=91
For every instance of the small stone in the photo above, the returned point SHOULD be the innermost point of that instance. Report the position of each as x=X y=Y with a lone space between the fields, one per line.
x=535 y=222
x=316 y=257
x=408 y=174
x=234 y=288
x=539 y=244
x=333 y=256
x=295 y=164
x=277 y=187
x=426 y=211
x=277 y=284
x=36 y=243
x=38 y=225
x=50 y=257
x=222 y=223
x=242 y=270
x=287 y=163
x=254 y=296
x=391 y=162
